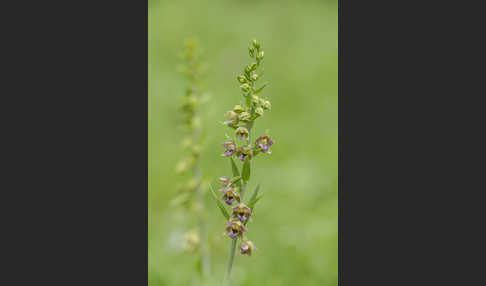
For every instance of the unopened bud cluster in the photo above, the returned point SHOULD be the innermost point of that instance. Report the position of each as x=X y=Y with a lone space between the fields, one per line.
x=241 y=118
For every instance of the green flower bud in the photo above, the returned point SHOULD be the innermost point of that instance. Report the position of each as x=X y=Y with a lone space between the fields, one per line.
x=245 y=116
x=245 y=87
x=259 y=111
x=251 y=51
x=256 y=44
x=241 y=79
x=267 y=105
x=247 y=69
x=253 y=66
x=260 y=55
x=231 y=115
x=254 y=77
x=255 y=99
x=238 y=109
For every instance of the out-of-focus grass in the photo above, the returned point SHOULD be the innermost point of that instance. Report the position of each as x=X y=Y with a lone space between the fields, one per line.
x=295 y=224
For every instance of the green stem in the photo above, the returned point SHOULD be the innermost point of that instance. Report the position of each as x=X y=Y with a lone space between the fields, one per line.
x=227 y=278
x=243 y=188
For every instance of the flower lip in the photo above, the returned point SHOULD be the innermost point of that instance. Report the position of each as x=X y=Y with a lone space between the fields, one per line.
x=230 y=147
x=234 y=229
x=263 y=143
x=244 y=151
x=241 y=212
x=230 y=196
x=246 y=247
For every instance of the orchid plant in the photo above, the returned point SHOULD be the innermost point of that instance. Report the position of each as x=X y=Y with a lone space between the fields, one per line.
x=241 y=148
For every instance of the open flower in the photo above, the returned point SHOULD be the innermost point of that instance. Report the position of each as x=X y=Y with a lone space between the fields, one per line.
x=244 y=151
x=235 y=229
x=225 y=181
x=241 y=133
x=246 y=247
x=230 y=195
x=230 y=147
x=241 y=212
x=263 y=143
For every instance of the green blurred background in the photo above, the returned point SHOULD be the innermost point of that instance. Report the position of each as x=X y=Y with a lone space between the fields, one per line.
x=295 y=224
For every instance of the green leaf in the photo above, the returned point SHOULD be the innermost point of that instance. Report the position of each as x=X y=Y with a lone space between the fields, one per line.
x=253 y=200
x=261 y=88
x=251 y=204
x=220 y=205
x=236 y=180
x=234 y=168
x=255 y=194
x=245 y=173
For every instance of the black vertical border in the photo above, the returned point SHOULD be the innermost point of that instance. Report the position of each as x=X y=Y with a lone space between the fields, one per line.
x=75 y=104
x=408 y=123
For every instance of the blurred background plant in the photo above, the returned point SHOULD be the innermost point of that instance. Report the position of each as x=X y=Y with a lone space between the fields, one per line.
x=297 y=227
x=190 y=194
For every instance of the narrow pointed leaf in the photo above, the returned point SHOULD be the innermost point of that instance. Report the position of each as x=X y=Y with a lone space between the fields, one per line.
x=220 y=204
x=245 y=173
x=255 y=194
x=251 y=204
x=254 y=199
x=234 y=168
x=261 y=88
x=236 y=180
